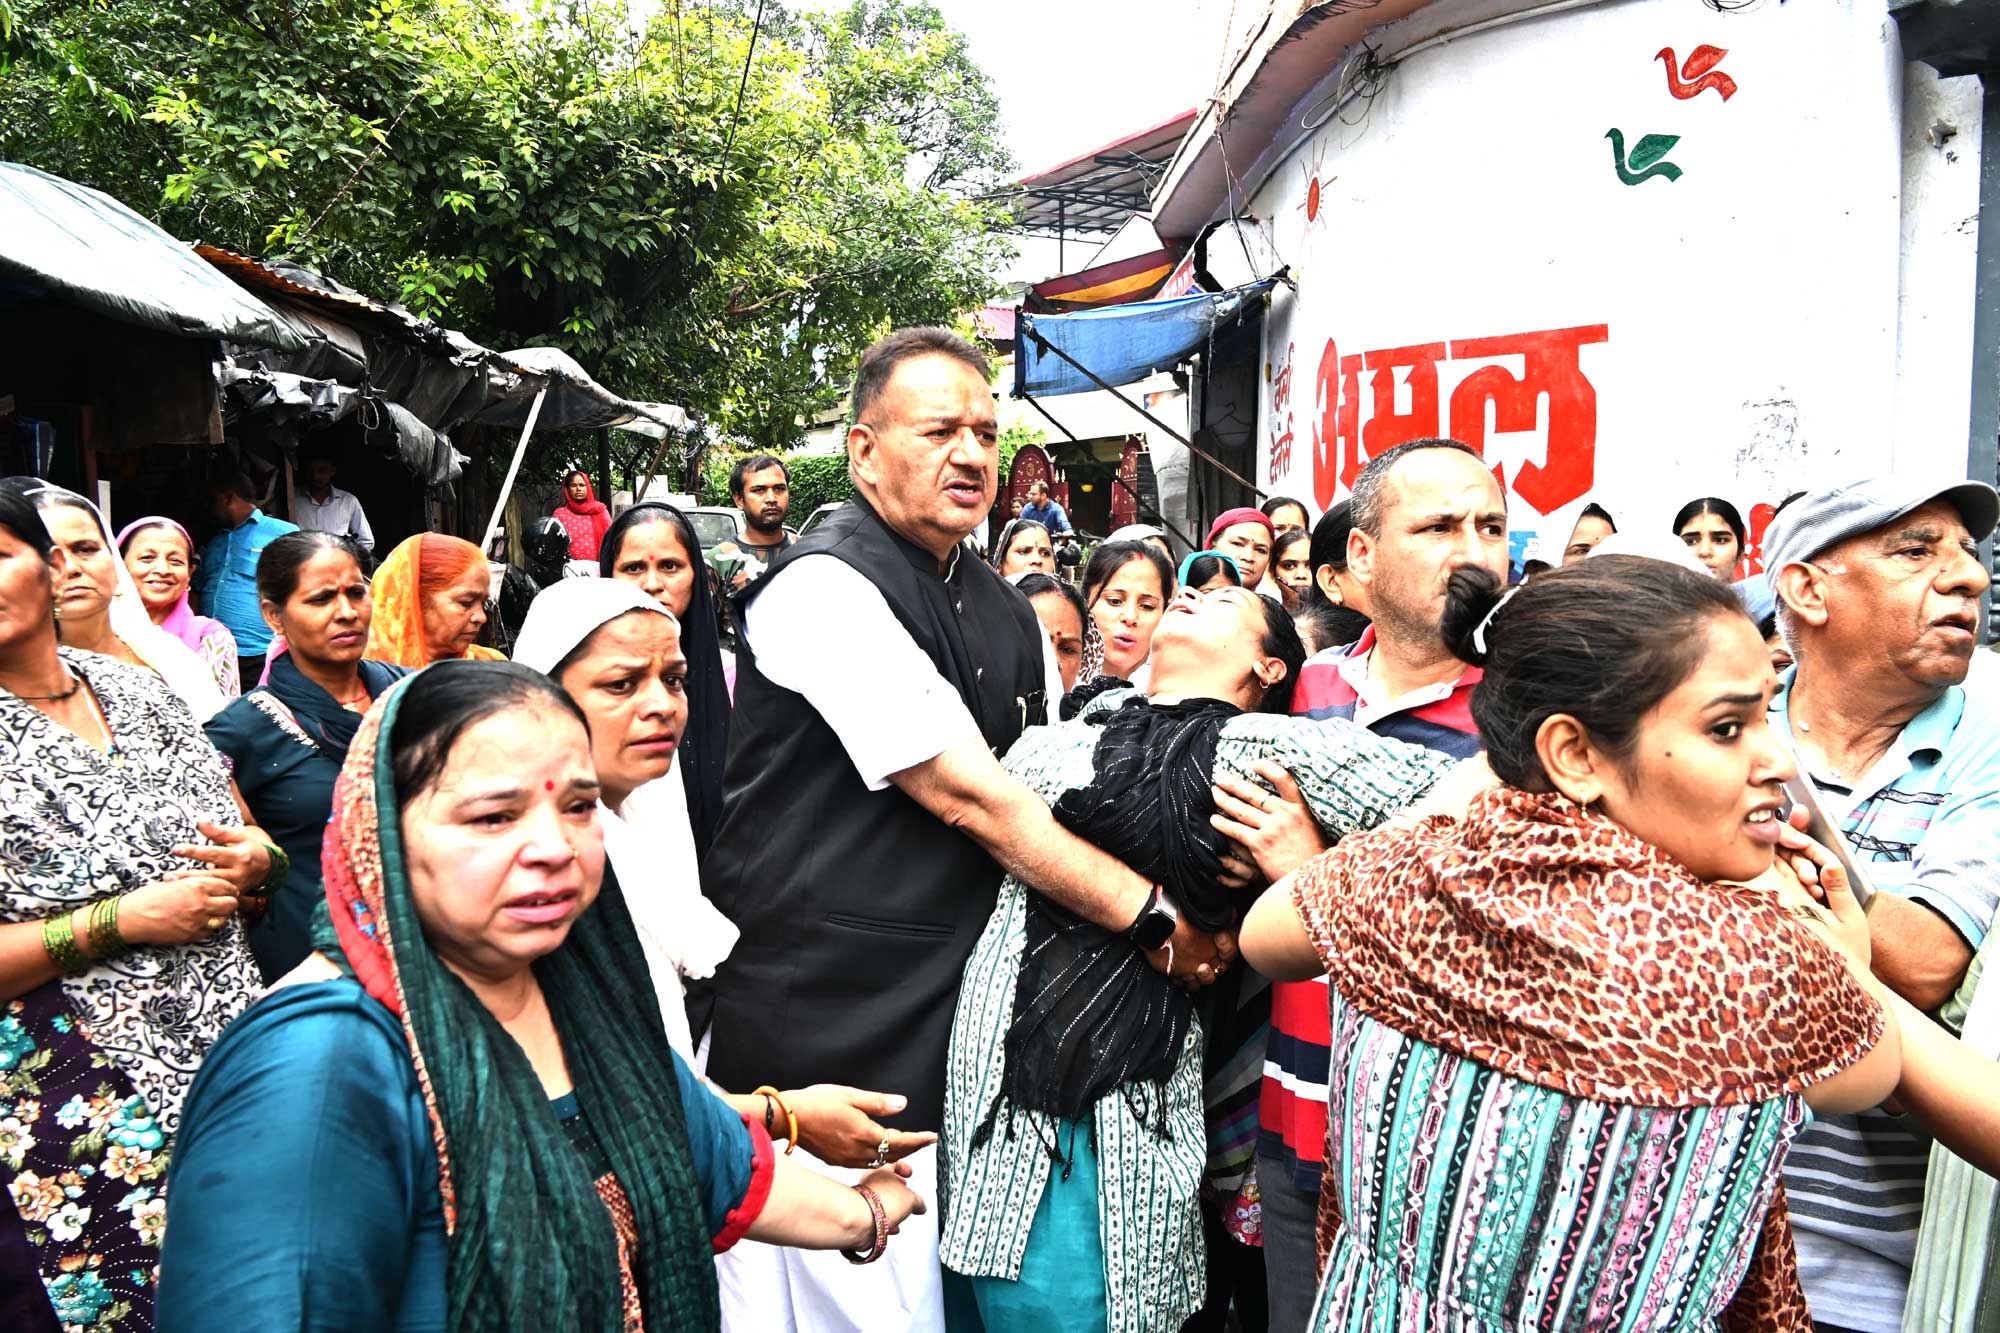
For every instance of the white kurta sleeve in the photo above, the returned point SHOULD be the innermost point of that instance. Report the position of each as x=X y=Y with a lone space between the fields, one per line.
x=823 y=631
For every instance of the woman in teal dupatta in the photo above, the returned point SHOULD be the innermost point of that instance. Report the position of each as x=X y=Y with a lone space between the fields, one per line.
x=462 y=1111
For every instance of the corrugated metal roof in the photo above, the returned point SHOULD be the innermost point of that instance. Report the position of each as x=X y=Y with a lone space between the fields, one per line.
x=291 y=283
x=1099 y=190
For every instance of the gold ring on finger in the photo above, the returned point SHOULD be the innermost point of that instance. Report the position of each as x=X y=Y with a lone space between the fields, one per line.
x=215 y=923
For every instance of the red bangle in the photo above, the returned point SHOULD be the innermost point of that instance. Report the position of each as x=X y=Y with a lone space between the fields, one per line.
x=881 y=1229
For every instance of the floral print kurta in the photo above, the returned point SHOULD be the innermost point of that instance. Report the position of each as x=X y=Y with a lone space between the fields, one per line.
x=94 y=1066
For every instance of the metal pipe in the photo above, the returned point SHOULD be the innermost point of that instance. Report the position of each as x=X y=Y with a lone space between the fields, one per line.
x=1190 y=445
x=513 y=468
x=1982 y=455
x=1070 y=435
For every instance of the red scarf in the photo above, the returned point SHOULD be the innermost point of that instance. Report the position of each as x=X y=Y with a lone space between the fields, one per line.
x=586 y=523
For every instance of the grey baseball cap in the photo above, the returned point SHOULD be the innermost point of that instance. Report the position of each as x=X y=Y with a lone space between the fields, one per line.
x=1819 y=519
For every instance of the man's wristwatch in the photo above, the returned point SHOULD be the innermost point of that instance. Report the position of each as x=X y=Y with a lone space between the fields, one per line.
x=1156 y=923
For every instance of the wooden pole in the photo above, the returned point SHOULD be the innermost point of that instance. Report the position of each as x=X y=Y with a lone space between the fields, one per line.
x=513 y=468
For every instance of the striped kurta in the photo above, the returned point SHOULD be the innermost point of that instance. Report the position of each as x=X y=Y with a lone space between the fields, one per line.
x=1149 y=1219
x=1472 y=1202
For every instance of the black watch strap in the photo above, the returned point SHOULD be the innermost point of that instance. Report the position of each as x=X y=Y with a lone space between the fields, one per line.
x=1155 y=925
x=1152 y=905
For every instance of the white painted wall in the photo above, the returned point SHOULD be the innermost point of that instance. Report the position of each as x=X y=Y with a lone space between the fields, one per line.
x=1940 y=254
x=1744 y=324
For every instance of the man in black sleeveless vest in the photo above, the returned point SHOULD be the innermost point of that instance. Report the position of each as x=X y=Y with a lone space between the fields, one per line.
x=866 y=819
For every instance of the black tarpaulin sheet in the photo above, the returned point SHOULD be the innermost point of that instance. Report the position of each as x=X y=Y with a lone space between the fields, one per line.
x=65 y=240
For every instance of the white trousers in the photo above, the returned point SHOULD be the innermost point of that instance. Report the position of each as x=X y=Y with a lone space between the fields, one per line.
x=770 y=1289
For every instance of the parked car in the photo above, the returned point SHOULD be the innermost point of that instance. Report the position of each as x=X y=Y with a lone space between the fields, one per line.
x=715 y=524
x=818 y=516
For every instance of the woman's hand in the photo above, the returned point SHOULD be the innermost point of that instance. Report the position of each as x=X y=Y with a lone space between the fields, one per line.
x=190 y=905
x=899 y=1201
x=836 y=1125
x=240 y=855
x=809 y=1211
x=1192 y=959
x=1812 y=885
x=1274 y=828
x=1848 y=931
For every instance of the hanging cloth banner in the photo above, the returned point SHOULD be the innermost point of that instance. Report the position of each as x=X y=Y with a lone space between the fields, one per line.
x=1123 y=344
x=1122 y=281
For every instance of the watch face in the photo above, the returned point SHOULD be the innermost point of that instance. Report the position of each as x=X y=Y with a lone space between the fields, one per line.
x=1154 y=929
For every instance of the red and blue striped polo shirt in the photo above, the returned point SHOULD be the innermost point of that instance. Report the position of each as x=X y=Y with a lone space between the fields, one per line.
x=1292 y=1110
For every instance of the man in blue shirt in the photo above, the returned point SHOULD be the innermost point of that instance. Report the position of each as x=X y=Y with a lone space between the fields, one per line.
x=227 y=582
x=1878 y=587
x=1044 y=510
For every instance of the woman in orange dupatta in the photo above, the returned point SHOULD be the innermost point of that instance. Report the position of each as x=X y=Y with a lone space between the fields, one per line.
x=430 y=602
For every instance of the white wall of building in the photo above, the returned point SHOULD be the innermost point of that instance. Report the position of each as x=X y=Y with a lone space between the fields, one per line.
x=1940 y=256
x=1796 y=305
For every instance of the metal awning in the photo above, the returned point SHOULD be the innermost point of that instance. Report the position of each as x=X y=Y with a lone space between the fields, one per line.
x=76 y=244
x=1099 y=190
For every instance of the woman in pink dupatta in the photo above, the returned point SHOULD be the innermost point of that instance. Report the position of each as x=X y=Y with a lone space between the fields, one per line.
x=159 y=555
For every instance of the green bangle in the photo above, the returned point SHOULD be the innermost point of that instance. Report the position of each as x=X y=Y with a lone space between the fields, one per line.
x=101 y=927
x=59 y=942
x=281 y=868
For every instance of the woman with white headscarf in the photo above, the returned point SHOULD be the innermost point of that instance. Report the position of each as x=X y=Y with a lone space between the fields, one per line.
x=99 y=609
x=618 y=654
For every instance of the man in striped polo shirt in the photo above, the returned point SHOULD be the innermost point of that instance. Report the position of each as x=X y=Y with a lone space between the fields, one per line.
x=1878 y=587
x=1420 y=511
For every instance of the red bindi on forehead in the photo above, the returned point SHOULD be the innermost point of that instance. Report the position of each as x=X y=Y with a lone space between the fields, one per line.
x=548 y=785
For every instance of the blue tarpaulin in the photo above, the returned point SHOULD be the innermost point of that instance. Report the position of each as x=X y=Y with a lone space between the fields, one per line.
x=1123 y=344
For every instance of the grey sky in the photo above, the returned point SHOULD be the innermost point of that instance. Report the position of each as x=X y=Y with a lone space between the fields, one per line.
x=1072 y=75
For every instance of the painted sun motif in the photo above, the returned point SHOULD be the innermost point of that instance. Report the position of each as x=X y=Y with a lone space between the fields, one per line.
x=1315 y=183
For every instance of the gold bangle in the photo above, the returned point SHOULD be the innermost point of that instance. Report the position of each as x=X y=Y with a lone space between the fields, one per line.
x=792 y=1121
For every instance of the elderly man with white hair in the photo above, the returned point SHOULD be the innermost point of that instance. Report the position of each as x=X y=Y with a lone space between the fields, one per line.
x=1878 y=587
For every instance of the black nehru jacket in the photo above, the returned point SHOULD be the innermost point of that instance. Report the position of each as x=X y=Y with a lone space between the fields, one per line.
x=858 y=908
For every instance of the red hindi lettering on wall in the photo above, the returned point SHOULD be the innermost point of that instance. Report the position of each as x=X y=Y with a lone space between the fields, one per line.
x=1752 y=562
x=1387 y=427
x=1337 y=407
x=1281 y=418
x=1552 y=365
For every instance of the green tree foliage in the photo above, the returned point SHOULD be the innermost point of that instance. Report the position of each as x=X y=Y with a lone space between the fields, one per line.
x=717 y=205
x=816 y=479
x=819 y=479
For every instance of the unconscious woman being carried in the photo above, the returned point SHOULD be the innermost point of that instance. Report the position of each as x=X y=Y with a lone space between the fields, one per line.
x=1075 y=1141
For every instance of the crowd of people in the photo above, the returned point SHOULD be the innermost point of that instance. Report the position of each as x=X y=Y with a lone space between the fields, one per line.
x=1336 y=927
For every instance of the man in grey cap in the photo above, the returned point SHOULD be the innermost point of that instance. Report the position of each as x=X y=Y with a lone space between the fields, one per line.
x=1878 y=587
